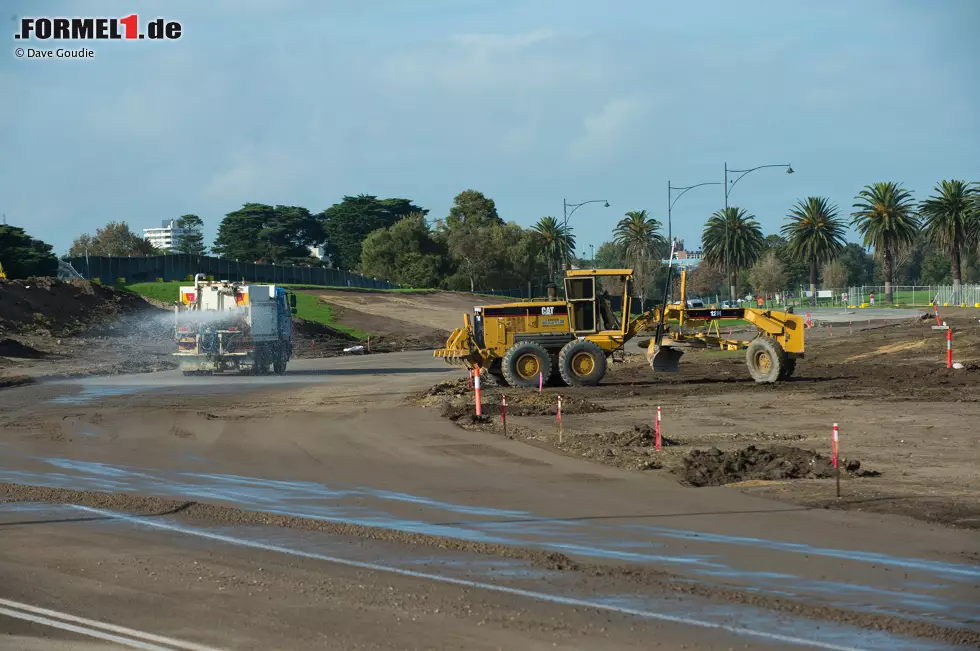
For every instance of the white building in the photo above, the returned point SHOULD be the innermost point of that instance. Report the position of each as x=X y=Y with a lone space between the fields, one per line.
x=166 y=237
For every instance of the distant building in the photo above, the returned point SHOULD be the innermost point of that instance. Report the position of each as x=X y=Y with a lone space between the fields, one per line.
x=166 y=237
x=686 y=259
x=320 y=253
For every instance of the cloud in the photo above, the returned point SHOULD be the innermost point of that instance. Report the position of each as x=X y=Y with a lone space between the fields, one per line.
x=538 y=61
x=608 y=128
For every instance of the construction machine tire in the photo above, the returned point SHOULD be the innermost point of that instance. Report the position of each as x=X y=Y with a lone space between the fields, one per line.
x=523 y=362
x=766 y=360
x=582 y=363
x=495 y=372
x=789 y=367
x=556 y=380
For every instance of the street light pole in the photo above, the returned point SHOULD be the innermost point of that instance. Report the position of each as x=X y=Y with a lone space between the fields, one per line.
x=592 y=248
x=728 y=189
x=671 y=202
x=574 y=207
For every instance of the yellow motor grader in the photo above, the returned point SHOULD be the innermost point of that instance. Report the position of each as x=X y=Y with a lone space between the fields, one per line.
x=567 y=341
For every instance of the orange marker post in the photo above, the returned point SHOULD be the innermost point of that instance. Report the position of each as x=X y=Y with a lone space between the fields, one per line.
x=503 y=413
x=476 y=391
x=658 y=430
x=836 y=462
x=561 y=426
x=949 y=348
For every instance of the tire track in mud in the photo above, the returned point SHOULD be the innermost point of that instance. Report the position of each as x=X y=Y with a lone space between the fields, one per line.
x=149 y=507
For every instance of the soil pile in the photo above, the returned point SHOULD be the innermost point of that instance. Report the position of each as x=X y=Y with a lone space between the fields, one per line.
x=715 y=467
x=13 y=348
x=313 y=339
x=51 y=307
x=461 y=408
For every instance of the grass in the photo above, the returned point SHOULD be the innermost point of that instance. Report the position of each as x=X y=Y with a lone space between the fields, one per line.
x=307 y=306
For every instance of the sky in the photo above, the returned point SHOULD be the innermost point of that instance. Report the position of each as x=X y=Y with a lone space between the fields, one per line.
x=531 y=102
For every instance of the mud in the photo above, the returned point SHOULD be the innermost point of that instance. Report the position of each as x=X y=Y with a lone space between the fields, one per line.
x=905 y=415
x=47 y=306
x=631 y=575
x=13 y=348
x=715 y=468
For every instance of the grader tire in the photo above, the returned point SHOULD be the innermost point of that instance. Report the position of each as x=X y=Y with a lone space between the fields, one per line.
x=582 y=364
x=789 y=367
x=523 y=363
x=766 y=360
x=556 y=380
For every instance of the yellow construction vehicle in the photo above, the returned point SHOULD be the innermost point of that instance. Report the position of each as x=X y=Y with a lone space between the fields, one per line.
x=568 y=340
x=3 y=276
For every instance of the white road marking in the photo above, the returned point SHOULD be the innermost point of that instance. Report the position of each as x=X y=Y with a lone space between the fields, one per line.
x=94 y=628
x=539 y=596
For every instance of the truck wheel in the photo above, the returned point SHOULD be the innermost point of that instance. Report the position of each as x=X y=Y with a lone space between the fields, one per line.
x=766 y=360
x=523 y=363
x=582 y=363
x=259 y=362
x=279 y=365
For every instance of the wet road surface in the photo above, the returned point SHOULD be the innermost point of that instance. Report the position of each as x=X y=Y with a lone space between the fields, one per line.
x=353 y=456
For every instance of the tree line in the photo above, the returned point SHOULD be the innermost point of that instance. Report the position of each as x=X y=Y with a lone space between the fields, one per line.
x=933 y=242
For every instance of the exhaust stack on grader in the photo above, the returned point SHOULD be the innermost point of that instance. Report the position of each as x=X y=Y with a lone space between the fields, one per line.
x=568 y=341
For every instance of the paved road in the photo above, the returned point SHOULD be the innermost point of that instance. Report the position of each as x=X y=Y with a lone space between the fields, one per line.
x=404 y=531
x=844 y=315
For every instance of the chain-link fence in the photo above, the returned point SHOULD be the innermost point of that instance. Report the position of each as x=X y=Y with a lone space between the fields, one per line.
x=179 y=266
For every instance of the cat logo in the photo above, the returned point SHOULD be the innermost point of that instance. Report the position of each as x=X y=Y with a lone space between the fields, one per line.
x=547 y=311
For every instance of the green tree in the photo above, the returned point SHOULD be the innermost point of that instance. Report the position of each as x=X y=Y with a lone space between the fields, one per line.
x=885 y=217
x=555 y=242
x=815 y=235
x=732 y=238
x=610 y=255
x=23 y=256
x=859 y=265
x=406 y=253
x=471 y=207
x=345 y=225
x=643 y=245
x=191 y=240
x=951 y=219
x=274 y=235
x=114 y=239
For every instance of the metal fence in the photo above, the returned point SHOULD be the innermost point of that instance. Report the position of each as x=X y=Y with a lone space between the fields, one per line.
x=915 y=295
x=180 y=266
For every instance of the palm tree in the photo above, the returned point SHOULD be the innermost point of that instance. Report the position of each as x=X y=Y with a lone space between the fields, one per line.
x=952 y=220
x=885 y=216
x=556 y=242
x=642 y=242
x=815 y=235
x=732 y=237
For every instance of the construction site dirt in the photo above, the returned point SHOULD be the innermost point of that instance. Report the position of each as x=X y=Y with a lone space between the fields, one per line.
x=908 y=425
x=360 y=497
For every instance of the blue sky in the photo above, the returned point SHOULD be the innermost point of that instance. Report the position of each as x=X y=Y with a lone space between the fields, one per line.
x=530 y=102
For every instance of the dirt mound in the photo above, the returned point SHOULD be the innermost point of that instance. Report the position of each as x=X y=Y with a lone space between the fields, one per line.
x=47 y=306
x=13 y=348
x=714 y=467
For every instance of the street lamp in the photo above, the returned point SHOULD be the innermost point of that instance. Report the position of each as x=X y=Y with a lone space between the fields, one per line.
x=728 y=189
x=670 y=204
x=574 y=207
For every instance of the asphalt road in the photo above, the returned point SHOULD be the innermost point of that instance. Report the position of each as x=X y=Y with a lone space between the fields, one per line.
x=316 y=510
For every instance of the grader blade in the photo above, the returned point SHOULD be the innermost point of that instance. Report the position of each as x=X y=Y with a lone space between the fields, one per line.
x=664 y=358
